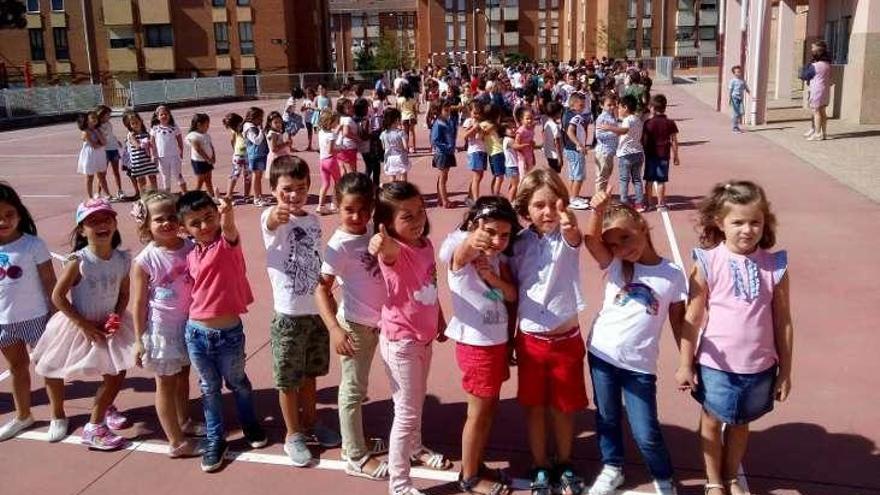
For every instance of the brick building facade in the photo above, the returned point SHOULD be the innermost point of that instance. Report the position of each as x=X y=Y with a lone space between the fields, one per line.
x=154 y=39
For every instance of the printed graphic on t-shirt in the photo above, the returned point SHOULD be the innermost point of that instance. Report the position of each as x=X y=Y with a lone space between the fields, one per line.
x=9 y=270
x=369 y=263
x=304 y=262
x=427 y=294
x=494 y=316
x=165 y=285
x=639 y=293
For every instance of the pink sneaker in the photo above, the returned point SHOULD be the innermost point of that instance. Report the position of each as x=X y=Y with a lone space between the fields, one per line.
x=99 y=437
x=115 y=420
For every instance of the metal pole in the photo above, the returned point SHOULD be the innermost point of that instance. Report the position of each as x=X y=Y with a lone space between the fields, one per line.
x=663 y=28
x=757 y=96
x=86 y=32
x=722 y=26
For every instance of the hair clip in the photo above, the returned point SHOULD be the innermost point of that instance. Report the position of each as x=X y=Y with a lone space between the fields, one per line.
x=139 y=212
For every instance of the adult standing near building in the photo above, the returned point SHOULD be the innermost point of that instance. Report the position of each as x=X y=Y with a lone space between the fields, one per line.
x=819 y=90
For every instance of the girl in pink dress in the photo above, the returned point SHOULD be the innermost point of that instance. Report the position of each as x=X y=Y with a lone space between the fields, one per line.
x=819 y=91
x=91 y=335
x=524 y=143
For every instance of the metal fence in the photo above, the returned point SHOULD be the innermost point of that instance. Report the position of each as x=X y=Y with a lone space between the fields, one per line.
x=48 y=100
x=277 y=85
x=179 y=90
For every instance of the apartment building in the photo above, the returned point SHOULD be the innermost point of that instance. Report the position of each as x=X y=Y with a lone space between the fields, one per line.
x=112 y=41
x=358 y=25
x=477 y=30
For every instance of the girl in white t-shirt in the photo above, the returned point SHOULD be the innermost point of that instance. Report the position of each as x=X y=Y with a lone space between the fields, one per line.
x=481 y=285
x=354 y=321
x=166 y=142
x=202 y=156
x=161 y=295
x=393 y=140
x=642 y=289
x=476 y=149
x=327 y=125
x=25 y=307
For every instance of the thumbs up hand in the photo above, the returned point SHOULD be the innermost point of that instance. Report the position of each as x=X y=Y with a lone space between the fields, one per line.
x=480 y=239
x=383 y=246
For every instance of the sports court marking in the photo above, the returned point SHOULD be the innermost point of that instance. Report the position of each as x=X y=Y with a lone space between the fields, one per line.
x=283 y=460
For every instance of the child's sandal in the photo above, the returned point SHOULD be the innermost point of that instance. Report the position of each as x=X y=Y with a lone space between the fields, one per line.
x=570 y=483
x=471 y=486
x=430 y=459
x=712 y=486
x=731 y=482
x=541 y=483
x=358 y=468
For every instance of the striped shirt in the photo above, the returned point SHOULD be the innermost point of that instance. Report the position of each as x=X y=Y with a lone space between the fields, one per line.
x=142 y=163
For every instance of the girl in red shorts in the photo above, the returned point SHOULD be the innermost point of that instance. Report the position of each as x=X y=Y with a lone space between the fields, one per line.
x=481 y=284
x=549 y=348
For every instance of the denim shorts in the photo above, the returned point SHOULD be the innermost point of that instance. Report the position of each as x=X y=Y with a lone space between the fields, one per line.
x=576 y=170
x=735 y=398
x=477 y=161
x=201 y=168
x=257 y=163
x=496 y=163
x=443 y=161
x=656 y=169
x=511 y=172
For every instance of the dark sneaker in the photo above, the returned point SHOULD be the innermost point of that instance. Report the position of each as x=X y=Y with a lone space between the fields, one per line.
x=255 y=436
x=324 y=436
x=214 y=454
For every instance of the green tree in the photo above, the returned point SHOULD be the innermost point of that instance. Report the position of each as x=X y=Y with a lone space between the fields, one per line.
x=390 y=54
x=614 y=43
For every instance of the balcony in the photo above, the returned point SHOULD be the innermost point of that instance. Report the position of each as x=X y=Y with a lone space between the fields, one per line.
x=248 y=62
x=34 y=21
x=58 y=20
x=243 y=14
x=218 y=14
x=123 y=59
x=117 y=13
x=224 y=63
x=159 y=59
x=154 y=11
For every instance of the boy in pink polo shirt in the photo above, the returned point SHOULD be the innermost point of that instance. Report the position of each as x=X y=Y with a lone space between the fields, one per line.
x=214 y=332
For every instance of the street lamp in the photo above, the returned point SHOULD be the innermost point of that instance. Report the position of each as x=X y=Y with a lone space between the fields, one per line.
x=478 y=11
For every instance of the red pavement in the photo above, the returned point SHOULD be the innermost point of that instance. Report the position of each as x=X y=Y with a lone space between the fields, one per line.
x=824 y=440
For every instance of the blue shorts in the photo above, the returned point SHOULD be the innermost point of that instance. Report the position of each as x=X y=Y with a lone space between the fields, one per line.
x=656 y=169
x=735 y=398
x=496 y=163
x=443 y=161
x=477 y=161
x=575 y=160
x=112 y=155
x=511 y=172
x=257 y=163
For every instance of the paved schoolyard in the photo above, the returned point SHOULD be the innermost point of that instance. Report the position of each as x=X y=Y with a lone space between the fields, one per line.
x=824 y=440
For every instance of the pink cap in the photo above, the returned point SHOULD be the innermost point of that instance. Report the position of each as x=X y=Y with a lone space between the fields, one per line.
x=90 y=206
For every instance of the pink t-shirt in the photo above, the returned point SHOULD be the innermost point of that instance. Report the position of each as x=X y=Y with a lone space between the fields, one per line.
x=220 y=284
x=739 y=334
x=411 y=310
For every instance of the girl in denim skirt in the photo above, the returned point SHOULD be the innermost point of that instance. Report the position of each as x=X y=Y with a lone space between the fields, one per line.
x=743 y=360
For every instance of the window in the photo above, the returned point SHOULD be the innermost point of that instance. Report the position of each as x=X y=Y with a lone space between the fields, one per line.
x=218 y=3
x=158 y=35
x=646 y=38
x=33 y=5
x=511 y=26
x=221 y=38
x=246 y=37
x=62 y=50
x=462 y=31
x=450 y=32
x=633 y=9
x=631 y=39
x=58 y=5
x=121 y=37
x=38 y=50
x=243 y=2
x=646 y=11
x=708 y=33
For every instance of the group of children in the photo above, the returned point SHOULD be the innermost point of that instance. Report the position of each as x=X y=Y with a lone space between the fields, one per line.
x=514 y=291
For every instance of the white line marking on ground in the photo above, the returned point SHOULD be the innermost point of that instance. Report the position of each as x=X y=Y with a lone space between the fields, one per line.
x=283 y=460
x=46 y=196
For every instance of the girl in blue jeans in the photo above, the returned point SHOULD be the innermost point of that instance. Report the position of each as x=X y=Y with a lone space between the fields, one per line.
x=642 y=289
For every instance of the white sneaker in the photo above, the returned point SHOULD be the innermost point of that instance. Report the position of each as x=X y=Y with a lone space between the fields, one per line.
x=809 y=132
x=14 y=427
x=665 y=487
x=579 y=204
x=57 y=430
x=608 y=481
